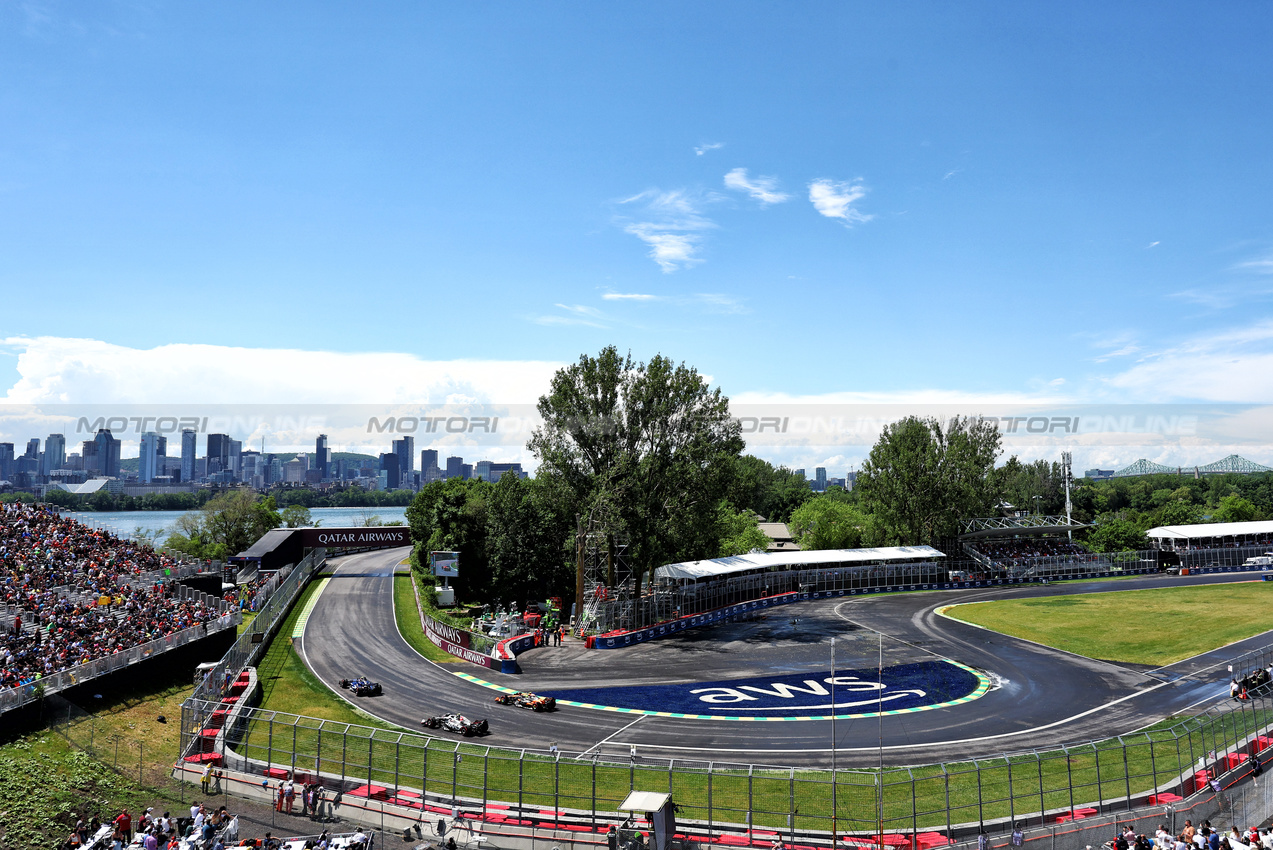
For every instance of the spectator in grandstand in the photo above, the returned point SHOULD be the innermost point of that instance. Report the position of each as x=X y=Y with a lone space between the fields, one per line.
x=82 y=592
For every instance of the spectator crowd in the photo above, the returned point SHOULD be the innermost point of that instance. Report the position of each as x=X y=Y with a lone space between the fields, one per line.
x=73 y=594
x=1016 y=548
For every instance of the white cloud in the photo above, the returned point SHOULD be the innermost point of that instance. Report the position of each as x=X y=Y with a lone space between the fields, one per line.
x=1264 y=265
x=89 y=371
x=630 y=296
x=1153 y=244
x=575 y=314
x=1125 y=350
x=671 y=224
x=713 y=146
x=835 y=200
x=763 y=189
x=1235 y=365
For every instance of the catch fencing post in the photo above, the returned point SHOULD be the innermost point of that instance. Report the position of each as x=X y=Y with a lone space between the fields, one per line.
x=710 y=767
x=1127 y=772
x=521 y=766
x=1012 y=800
x=1099 y=787
x=1069 y=775
x=269 y=746
x=945 y=775
x=486 y=774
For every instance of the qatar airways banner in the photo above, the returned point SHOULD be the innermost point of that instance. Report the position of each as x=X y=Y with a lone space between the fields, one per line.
x=466 y=645
x=378 y=536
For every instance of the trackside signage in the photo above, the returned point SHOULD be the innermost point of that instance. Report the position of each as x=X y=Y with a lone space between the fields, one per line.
x=379 y=536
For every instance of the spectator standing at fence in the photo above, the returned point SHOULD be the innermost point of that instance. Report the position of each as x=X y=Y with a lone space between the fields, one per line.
x=207 y=778
x=124 y=825
x=289 y=794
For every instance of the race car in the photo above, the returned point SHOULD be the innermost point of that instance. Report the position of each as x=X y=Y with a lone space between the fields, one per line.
x=362 y=687
x=525 y=699
x=456 y=723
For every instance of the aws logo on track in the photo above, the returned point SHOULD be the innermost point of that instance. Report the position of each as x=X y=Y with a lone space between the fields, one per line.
x=807 y=695
x=849 y=692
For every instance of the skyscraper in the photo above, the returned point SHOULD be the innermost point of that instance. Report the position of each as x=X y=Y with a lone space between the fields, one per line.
x=454 y=466
x=404 y=448
x=391 y=466
x=428 y=457
x=218 y=452
x=322 y=456
x=33 y=448
x=6 y=461
x=54 y=454
x=106 y=449
x=148 y=460
x=820 y=478
x=188 y=455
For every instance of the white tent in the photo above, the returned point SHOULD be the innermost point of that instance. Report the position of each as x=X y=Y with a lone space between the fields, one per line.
x=786 y=560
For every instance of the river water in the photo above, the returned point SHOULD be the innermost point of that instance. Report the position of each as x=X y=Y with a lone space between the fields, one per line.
x=126 y=523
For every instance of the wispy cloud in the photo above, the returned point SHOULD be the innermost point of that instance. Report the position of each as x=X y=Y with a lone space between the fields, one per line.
x=573 y=314
x=710 y=302
x=950 y=174
x=1262 y=265
x=836 y=199
x=671 y=224
x=629 y=296
x=763 y=189
x=1124 y=351
x=1153 y=244
x=1233 y=365
x=713 y=146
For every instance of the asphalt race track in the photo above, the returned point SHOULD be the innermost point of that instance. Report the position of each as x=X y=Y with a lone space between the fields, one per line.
x=1038 y=696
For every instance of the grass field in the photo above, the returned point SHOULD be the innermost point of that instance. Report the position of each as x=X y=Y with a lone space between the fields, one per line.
x=1154 y=627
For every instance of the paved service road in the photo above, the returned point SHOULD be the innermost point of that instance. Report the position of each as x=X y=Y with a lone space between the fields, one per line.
x=1041 y=696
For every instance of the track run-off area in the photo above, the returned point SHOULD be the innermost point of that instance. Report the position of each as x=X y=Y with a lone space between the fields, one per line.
x=762 y=691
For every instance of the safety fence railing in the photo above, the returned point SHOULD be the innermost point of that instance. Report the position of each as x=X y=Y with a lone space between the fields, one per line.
x=269 y=616
x=1171 y=761
x=1242 y=805
x=15 y=697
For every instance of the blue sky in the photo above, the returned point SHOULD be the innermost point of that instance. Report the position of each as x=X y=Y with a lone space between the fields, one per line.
x=817 y=201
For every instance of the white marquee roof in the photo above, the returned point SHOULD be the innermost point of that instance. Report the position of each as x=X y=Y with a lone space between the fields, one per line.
x=810 y=558
x=1210 y=529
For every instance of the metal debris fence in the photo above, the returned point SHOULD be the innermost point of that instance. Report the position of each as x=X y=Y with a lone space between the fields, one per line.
x=1119 y=774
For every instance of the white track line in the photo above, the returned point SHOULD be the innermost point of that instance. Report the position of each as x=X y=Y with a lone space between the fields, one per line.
x=607 y=740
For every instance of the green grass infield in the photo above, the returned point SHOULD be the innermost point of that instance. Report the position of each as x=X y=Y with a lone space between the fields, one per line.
x=1156 y=627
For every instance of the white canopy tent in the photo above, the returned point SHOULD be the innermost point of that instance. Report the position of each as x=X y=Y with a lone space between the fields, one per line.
x=1210 y=530
x=719 y=567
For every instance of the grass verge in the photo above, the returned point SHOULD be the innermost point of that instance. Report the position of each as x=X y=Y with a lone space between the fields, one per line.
x=408 y=615
x=1155 y=627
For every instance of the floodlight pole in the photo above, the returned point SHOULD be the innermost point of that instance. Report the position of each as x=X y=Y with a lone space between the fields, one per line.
x=834 y=809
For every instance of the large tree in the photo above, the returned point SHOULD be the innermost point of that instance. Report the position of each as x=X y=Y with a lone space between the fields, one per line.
x=524 y=541
x=826 y=522
x=227 y=525
x=643 y=449
x=923 y=476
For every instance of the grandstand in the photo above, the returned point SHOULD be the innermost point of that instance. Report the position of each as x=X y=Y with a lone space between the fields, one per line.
x=695 y=587
x=76 y=602
x=1028 y=546
x=1213 y=544
x=1231 y=465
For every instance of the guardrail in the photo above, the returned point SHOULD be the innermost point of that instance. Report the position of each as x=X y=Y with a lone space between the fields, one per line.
x=287 y=585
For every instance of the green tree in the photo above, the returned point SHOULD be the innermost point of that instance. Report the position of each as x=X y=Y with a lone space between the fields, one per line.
x=650 y=447
x=739 y=532
x=524 y=536
x=1116 y=535
x=922 y=477
x=772 y=492
x=830 y=523
x=228 y=524
x=296 y=516
x=1234 y=508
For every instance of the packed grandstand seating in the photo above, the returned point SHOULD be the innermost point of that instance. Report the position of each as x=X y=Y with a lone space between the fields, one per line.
x=1012 y=549
x=71 y=594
